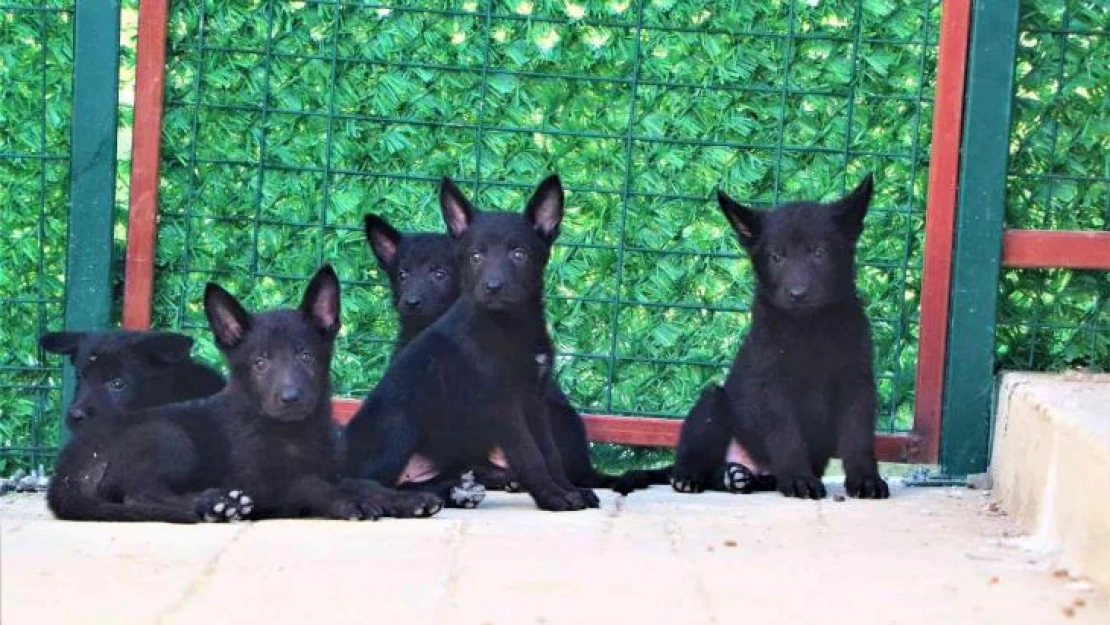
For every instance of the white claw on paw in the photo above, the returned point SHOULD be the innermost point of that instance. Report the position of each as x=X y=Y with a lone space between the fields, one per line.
x=219 y=508
x=235 y=494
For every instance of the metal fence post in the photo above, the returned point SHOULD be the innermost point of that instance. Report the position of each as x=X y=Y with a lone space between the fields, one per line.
x=969 y=387
x=92 y=170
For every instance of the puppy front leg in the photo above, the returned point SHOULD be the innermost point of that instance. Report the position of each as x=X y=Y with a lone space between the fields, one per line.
x=316 y=497
x=856 y=441
x=539 y=424
x=702 y=442
x=394 y=503
x=525 y=458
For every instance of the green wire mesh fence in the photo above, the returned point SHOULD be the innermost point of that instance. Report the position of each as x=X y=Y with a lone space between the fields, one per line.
x=1059 y=179
x=286 y=121
x=36 y=62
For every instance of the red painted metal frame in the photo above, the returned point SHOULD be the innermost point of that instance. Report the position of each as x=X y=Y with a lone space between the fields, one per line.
x=940 y=219
x=656 y=432
x=146 y=147
x=1072 y=249
x=920 y=446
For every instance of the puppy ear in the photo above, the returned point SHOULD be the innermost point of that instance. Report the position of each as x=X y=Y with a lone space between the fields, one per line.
x=545 y=208
x=848 y=212
x=64 y=343
x=321 y=301
x=383 y=239
x=227 y=318
x=745 y=221
x=167 y=347
x=458 y=212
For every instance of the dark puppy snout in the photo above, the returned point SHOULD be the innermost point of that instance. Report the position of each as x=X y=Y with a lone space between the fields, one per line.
x=493 y=285
x=78 y=415
x=412 y=303
x=291 y=395
x=797 y=293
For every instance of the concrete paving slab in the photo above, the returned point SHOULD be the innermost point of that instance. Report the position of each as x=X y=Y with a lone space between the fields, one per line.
x=926 y=556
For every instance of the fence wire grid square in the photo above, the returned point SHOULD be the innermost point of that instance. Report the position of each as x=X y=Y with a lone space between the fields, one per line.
x=286 y=121
x=1059 y=179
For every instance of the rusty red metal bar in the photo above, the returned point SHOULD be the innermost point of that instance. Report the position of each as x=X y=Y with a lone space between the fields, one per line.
x=146 y=146
x=940 y=219
x=656 y=432
x=1071 y=249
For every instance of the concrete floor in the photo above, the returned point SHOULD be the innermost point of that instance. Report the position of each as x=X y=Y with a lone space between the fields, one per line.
x=930 y=556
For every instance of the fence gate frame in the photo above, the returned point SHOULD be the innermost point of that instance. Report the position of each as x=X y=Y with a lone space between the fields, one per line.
x=921 y=445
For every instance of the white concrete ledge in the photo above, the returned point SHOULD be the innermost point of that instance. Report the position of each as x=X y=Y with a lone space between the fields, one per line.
x=1051 y=464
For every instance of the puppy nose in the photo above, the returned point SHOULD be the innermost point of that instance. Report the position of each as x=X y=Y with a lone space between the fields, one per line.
x=412 y=303
x=494 y=285
x=797 y=293
x=290 y=395
x=77 y=415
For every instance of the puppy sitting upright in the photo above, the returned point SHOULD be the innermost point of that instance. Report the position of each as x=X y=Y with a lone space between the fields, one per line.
x=424 y=283
x=801 y=387
x=268 y=433
x=469 y=383
x=127 y=370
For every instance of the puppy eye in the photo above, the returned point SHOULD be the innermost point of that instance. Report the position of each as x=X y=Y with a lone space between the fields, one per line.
x=402 y=275
x=475 y=258
x=305 y=357
x=518 y=254
x=260 y=364
x=117 y=384
x=440 y=274
x=776 y=257
x=818 y=252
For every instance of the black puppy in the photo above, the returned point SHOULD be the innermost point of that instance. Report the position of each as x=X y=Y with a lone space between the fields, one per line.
x=127 y=370
x=268 y=433
x=421 y=272
x=801 y=387
x=469 y=382
x=424 y=284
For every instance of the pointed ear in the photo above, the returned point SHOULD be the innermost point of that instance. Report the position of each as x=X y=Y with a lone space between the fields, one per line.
x=227 y=318
x=65 y=343
x=167 y=347
x=745 y=221
x=545 y=208
x=848 y=212
x=321 y=301
x=457 y=210
x=383 y=239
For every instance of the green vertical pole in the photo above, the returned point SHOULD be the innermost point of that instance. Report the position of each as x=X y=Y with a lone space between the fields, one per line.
x=92 y=170
x=969 y=387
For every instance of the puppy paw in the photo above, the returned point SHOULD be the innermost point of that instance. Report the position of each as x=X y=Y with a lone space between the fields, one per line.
x=219 y=506
x=866 y=487
x=348 y=510
x=563 y=501
x=589 y=497
x=801 y=486
x=369 y=509
x=467 y=493
x=736 y=478
x=684 y=482
x=415 y=505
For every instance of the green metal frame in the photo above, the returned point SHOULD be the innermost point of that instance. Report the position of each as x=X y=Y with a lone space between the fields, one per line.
x=92 y=170
x=969 y=385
